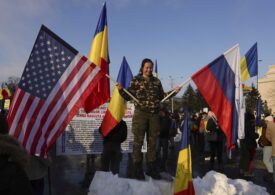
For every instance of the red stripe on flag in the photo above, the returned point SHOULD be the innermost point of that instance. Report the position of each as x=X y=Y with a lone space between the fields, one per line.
x=32 y=121
x=16 y=106
x=86 y=93
x=54 y=101
x=102 y=94
x=27 y=106
x=13 y=101
x=65 y=104
x=214 y=95
x=108 y=123
x=189 y=191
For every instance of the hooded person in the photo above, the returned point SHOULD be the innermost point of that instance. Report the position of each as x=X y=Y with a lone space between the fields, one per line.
x=13 y=179
x=270 y=135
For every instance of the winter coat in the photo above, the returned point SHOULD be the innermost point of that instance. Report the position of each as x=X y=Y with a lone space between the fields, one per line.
x=13 y=179
x=270 y=135
x=250 y=134
x=149 y=93
x=214 y=129
x=37 y=167
x=118 y=134
x=165 y=124
x=3 y=124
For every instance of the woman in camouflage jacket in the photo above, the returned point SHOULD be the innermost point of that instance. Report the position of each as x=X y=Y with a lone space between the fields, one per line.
x=149 y=92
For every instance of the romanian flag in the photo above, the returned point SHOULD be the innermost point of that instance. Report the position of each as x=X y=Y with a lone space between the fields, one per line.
x=99 y=56
x=1 y=96
x=220 y=85
x=249 y=63
x=183 y=181
x=117 y=106
x=156 y=70
x=6 y=92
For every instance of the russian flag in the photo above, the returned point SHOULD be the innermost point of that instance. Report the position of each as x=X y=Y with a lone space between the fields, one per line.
x=117 y=106
x=249 y=63
x=219 y=83
x=183 y=184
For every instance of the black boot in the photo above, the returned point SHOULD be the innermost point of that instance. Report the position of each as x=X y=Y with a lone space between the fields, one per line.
x=138 y=171
x=152 y=171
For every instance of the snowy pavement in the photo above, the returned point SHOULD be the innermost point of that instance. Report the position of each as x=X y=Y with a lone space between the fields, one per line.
x=105 y=183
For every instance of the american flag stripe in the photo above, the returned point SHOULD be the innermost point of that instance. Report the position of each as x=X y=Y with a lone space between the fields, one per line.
x=23 y=116
x=63 y=126
x=37 y=108
x=18 y=98
x=15 y=96
x=76 y=93
x=19 y=111
x=29 y=119
x=70 y=92
x=54 y=99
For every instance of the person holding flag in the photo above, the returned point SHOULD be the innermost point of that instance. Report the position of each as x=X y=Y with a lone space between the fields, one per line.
x=149 y=93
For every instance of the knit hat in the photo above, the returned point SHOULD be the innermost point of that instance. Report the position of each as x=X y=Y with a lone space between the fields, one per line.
x=269 y=118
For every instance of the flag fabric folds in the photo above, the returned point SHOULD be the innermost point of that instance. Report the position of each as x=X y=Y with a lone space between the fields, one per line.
x=55 y=83
x=99 y=55
x=249 y=63
x=156 y=69
x=183 y=184
x=219 y=83
x=117 y=106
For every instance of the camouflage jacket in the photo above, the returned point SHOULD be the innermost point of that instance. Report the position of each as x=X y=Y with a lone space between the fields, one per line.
x=149 y=93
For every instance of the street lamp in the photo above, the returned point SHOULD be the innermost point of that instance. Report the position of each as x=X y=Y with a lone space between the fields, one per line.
x=172 y=99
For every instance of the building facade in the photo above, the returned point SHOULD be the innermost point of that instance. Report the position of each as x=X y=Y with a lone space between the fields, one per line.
x=266 y=86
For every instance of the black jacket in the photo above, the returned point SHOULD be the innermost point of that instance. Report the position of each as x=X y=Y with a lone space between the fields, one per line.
x=13 y=179
x=165 y=124
x=118 y=134
x=213 y=126
x=250 y=134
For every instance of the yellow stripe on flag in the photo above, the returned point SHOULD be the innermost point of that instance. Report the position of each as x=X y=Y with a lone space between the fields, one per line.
x=1 y=96
x=99 y=48
x=184 y=171
x=117 y=106
x=244 y=71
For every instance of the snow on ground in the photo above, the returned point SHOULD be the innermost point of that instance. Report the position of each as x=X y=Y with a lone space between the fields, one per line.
x=217 y=183
x=105 y=183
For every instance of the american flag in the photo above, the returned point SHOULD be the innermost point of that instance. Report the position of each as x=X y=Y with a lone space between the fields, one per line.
x=55 y=83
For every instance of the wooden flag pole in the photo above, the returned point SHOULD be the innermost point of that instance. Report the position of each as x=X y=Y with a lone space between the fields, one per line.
x=172 y=92
x=125 y=90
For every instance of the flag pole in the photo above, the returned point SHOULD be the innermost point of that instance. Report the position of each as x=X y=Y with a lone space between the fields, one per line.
x=125 y=90
x=172 y=92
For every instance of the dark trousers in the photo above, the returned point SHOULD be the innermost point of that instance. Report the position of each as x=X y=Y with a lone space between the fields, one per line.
x=216 y=148
x=111 y=157
x=38 y=186
x=162 y=151
x=247 y=155
x=201 y=143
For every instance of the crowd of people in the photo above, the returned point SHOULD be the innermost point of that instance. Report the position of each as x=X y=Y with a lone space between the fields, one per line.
x=160 y=127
